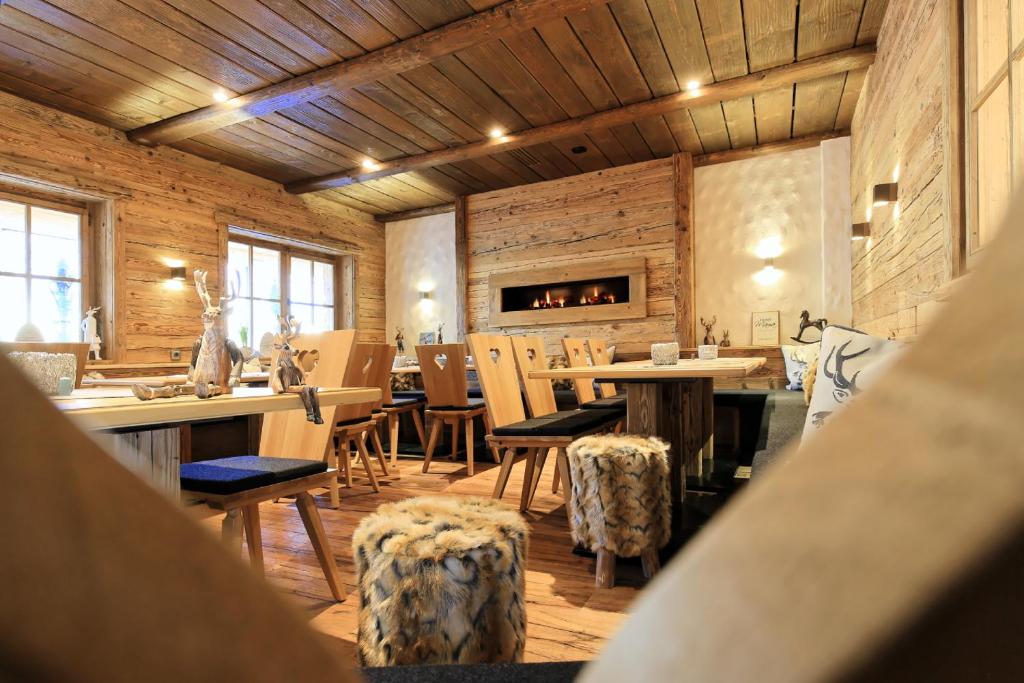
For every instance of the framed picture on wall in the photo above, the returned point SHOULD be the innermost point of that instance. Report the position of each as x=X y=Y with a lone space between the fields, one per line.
x=426 y=337
x=764 y=328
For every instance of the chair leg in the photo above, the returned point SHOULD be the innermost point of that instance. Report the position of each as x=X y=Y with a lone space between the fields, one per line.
x=231 y=531
x=469 y=446
x=455 y=439
x=506 y=469
x=418 y=423
x=253 y=536
x=555 y=478
x=364 y=455
x=562 y=459
x=605 y=574
x=393 y=423
x=378 y=449
x=651 y=563
x=321 y=546
x=531 y=463
x=332 y=485
x=619 y=426
x=345 y=454
x=542 y=457
x=495 y=453
x=435 y=431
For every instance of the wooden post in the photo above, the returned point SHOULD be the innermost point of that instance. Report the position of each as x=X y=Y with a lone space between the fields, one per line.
x=682 y=184
x=461 y=269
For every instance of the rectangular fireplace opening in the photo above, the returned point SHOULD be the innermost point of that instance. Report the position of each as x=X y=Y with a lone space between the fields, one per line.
x=614 y=290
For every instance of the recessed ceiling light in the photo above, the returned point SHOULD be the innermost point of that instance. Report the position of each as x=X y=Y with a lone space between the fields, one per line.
x=693 y=85
x=370 y=165
x=221 y=96
x=496 y=133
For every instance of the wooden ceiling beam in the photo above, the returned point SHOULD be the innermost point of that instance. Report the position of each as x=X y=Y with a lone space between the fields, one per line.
x=743 y=86
x=422 y=212
x=509 y=18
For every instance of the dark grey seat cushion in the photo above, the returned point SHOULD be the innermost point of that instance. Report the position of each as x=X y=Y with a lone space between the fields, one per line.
x=471 y=404
x=536 y=672
x=407 y=395
x=562 y=423
x=617 y=402
x=244 y=472
x=403 y=402
x=786 y=415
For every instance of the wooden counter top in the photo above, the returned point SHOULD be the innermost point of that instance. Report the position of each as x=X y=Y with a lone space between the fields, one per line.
x=645 y=370
x=114 y=408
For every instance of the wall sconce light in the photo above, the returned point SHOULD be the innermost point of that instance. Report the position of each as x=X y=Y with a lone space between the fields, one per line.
x=885 y=193
x=769 y=275
x=860 y=231
x=425 y=296
x=178 y=273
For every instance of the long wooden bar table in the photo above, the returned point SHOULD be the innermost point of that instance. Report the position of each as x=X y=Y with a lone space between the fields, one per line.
x=145 y=436
x=674 y=402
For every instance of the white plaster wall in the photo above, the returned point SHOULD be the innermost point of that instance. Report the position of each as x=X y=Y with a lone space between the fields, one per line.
x=776 y=199
x=836 y=225
x=420 y=254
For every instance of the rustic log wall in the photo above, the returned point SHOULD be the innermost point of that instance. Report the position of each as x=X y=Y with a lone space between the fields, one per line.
x=901 y=129
x=617 y=212
x=171 y=205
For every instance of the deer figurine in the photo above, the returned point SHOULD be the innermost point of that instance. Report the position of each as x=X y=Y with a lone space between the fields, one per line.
x=709 y=338
x=215 y=369
x=289 y=377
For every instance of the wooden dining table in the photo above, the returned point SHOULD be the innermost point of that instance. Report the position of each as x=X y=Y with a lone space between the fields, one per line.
x=674 y=402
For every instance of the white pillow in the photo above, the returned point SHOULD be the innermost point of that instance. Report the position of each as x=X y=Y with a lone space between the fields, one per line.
x=849 y=362
x=797 y=359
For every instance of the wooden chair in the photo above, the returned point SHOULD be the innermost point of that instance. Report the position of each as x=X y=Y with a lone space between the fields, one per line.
x=395 y=405
x=443 y=369
x=494 y=356
x=288 y=434
x=353 y=423
x=577 y=357
x=380 y=376
x=599 y=356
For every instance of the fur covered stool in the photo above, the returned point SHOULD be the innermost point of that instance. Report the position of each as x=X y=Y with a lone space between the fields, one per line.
x=621 y=499
x=441 y=581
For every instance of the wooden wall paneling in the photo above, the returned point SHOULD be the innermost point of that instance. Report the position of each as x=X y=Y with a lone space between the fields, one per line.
x=614 y=213
x=461 y=269
x=685 y=266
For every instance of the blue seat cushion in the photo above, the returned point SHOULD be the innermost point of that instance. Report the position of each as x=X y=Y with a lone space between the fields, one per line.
x=562 y=423
x=610 y=403
x=404 y=395
x=244 y=472
x=471 y=404
x=402 y=402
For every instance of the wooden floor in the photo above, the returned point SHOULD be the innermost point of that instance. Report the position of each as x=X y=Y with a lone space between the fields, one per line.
x=568 y=618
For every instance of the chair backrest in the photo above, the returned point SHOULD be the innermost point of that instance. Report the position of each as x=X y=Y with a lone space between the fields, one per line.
x=287 y=433
x=599 y=354
x=386 y=376
x=443 y=369
x=363 y=370
x=576 y=356
x=495 y=363
x=540 y=397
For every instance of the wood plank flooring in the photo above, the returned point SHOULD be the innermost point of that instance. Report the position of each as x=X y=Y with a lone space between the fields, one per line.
x=568 y=618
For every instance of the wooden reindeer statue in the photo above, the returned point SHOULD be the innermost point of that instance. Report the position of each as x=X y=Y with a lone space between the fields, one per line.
x=289 y=377
x=709 y=337
x=216 y=361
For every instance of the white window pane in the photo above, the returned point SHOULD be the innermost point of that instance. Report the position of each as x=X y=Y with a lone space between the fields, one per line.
x=15 y=297
x=240 y=322
x=304 y=314
x=238 y=268
x=993 y=162
x=57 y=309
x=301 y=281
x=55 y=243
x=264 y=319
x=12 y=237
x=323 y=318
x=266 y=273
x=323 y=283
x=991 y=27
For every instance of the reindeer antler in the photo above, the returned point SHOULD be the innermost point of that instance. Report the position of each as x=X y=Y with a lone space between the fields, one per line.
x=235 y=286
x=204 y=295
x=294 y=324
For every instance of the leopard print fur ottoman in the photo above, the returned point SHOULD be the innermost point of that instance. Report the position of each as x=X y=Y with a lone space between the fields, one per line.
x=441 y=581
x=620 y=501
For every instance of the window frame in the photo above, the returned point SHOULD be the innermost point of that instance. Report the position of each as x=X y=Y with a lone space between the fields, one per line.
x=85 y=279
x=287 y=252
x=975 y=96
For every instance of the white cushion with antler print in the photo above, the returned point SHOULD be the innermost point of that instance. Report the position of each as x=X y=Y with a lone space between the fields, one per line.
x=849 y=361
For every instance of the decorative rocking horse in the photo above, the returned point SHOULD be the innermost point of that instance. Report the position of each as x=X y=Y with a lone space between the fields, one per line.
x=289 y=377
x=805 y=322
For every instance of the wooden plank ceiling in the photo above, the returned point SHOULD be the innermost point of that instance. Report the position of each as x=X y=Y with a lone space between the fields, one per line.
x=128 y=63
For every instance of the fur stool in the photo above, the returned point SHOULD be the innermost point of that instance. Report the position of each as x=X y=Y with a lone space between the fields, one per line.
x=621 y=500
x=441 y=582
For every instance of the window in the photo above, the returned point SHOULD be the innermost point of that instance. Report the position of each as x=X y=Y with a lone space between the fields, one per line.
x=42 y=269
x=273 y=280
x=995 y=102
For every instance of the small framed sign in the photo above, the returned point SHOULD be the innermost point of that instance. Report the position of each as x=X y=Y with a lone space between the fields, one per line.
x=764 y=328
